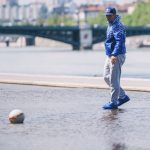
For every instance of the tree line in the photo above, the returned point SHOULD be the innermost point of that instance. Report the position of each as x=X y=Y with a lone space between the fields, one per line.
x=139 y=17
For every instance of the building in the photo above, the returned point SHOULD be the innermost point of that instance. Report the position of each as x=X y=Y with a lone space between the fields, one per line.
x=12 y=2
x=15 y=14
x=3 y=2
x=9 y=2
x=88 y=2
x=65 y=8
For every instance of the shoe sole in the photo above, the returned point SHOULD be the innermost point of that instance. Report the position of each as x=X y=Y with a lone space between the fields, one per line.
x=124 y=102
x=111 y=108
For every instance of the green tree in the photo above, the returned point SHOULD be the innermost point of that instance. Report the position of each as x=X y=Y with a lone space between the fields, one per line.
x=100 y=19
x=58 y=19
x=140 y=16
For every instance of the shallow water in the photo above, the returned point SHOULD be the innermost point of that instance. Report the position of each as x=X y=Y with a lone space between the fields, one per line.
x=72 y=119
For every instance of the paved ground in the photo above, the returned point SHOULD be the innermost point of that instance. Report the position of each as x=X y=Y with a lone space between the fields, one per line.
x=133 y=84
x=72 y=119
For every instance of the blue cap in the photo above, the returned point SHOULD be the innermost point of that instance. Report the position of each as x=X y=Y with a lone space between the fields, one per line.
x=110 y=11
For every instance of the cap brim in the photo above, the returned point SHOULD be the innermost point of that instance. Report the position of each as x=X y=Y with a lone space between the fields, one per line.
x=108 y=14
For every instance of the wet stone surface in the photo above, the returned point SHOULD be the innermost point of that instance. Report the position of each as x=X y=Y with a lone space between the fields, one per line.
x=72 y=119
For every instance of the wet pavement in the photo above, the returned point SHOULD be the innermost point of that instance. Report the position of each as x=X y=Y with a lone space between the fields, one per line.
x=72 y=119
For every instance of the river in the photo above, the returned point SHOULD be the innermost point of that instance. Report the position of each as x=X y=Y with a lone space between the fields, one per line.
x=47 y=61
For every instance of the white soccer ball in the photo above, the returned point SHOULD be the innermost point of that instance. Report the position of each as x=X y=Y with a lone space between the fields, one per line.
x=16 y=116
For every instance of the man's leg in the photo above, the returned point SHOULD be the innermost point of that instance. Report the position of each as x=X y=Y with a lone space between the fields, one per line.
x=115 y=74
x=122 y=93
x=115 y=82
x=106 y=73
x=112 y=75
x=107 y=69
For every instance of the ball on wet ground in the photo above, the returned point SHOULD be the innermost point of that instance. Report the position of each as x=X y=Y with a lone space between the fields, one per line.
x=16 y=116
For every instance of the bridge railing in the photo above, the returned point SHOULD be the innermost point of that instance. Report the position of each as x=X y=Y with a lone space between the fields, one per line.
x=73 y=35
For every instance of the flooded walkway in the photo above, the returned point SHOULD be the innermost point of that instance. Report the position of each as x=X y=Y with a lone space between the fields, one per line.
x=72 y=119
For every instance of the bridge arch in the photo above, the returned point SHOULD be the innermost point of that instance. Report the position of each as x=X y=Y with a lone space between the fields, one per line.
x=99 y=33
x=67 y=34
x=40 y=41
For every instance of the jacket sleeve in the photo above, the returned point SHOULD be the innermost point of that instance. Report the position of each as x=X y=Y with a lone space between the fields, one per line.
x=119 y=37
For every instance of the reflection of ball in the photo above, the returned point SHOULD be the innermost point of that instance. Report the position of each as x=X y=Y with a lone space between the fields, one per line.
x=16 y=116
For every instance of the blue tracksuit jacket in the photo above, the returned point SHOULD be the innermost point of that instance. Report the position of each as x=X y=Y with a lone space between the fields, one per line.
x=115 y=38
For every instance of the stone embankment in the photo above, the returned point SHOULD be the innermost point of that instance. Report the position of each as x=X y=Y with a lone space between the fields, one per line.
x=133 y=42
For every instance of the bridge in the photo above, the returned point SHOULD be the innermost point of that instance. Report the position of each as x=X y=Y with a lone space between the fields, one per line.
x=68 y=34
x=99 y=33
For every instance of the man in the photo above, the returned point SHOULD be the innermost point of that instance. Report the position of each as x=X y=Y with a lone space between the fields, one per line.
x=115 y=51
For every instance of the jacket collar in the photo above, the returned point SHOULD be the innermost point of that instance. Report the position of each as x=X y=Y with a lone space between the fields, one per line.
x=117 y=19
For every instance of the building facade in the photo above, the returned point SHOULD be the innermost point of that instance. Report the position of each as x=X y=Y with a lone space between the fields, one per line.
x=14 y=14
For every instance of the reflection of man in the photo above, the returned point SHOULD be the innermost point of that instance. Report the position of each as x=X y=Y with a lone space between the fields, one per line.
x=7 y=40
x=115 y=51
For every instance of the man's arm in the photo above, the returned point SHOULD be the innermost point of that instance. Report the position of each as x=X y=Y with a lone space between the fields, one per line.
x=119 y=35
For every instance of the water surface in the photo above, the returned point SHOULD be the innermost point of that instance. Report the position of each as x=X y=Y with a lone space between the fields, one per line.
x=72 y=119
x=47 y=61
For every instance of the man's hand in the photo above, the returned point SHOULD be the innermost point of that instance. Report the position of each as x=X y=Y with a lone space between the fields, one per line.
x=113 y=59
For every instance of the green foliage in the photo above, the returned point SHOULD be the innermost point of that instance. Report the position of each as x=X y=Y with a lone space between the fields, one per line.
x=57 y=20
x=26 y=23
x=100 y=19
x=41 y=21
x=68 y=21
x=140 y=16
